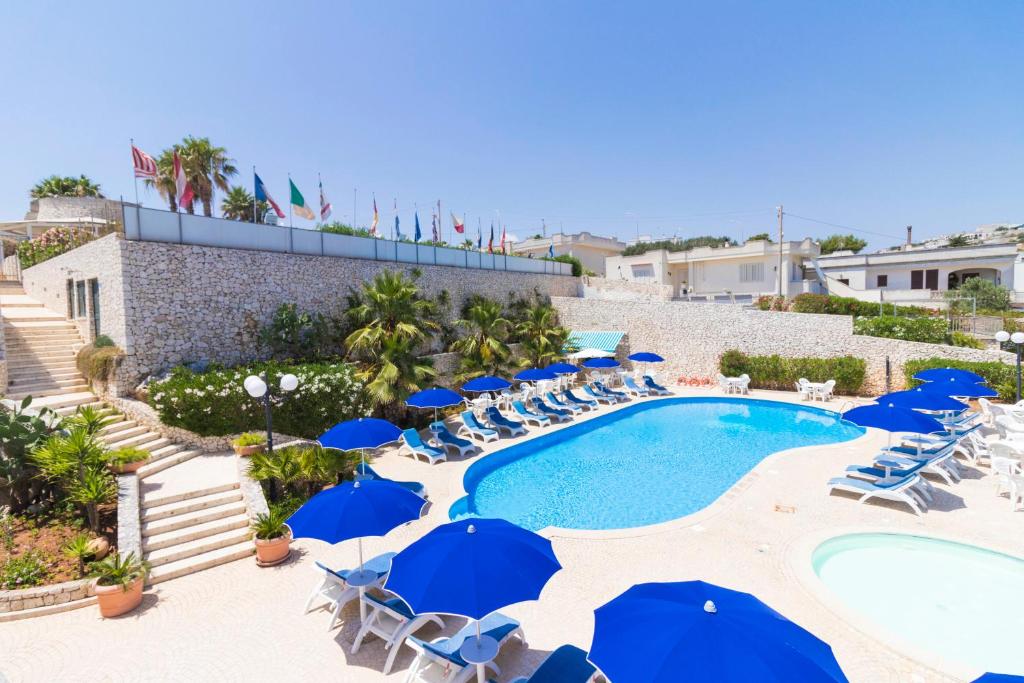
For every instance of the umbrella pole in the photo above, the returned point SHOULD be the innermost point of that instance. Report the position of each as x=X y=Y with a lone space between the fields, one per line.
x=360 y=553
x=481 y=672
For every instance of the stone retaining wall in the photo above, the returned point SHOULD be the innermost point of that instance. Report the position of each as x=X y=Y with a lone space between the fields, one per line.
x=624 y=290
x=692 y=336
x=168 y=304
x=14 y=601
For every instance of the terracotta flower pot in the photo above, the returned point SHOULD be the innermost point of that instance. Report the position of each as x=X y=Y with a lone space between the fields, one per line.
x=115 y=600
x=249 y=450
x=127 y=468
x=273 y=551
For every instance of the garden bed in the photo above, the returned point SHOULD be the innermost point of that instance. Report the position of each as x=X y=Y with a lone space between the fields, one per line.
x=43 y=538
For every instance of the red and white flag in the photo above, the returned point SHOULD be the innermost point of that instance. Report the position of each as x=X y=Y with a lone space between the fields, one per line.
x=182 y=189
x=145 y=165
x=325 y=206
x=503 y=239
x=459 y=226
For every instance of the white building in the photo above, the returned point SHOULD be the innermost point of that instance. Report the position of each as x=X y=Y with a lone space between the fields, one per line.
x=748 y=270
x=591 y=250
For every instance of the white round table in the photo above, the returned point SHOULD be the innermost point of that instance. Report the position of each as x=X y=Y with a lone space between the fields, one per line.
x=478 y=652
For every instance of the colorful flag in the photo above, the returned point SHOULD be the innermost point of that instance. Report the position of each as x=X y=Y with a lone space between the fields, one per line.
x=479 y=236
x=503 y=239
x=145 y=165
x=551 y=248
x=325 y=206
x=183 y=193
x=433 y=227
x=490 y=242
x=398 y=232
x=459 y=226
x=418 y=234
x=263 y=196
x=299 y=203
x=376 y=218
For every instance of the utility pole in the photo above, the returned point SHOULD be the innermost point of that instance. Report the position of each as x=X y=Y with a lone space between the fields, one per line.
x=780 y=249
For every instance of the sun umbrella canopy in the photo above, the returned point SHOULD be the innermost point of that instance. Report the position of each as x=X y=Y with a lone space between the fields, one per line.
x=953 y=387
x=892 y=419
x=999 y=678
x=698 y=632
x=563 y=368
x=590 y=353
x=434 y=398
x=355 y=509
x=599 y=363
x=486 y=383
x=535 y=375
x=946 y=374
x=645 y=357
x=472 y=568
x=919 y=399
x=363 y=432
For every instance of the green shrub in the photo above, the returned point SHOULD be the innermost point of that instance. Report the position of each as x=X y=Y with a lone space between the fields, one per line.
x=928 y=330
x=97 y=363
x=126 y=456
x=777 y=372
x=269 y=525
x=53 y=242
x=965 y=340
x=1000 y=376
x=986 y=295
x=771 y=302
x=577 y=265
x=102 y=341
x=343 y=229
x=249 y=439
x=23 y=571
x=847 y=305
x=295 y=335
x=214 y=402
x=678 y=245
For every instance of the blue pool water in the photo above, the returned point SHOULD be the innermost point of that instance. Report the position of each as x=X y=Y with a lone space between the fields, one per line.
x=648 y=463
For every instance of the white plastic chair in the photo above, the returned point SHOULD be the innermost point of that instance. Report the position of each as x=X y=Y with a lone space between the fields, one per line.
x=743 y=385
x=1008 y=479
x=391 y=623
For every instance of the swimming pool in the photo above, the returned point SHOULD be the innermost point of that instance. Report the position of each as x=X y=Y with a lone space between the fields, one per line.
x=960 y=601
x=647 y=463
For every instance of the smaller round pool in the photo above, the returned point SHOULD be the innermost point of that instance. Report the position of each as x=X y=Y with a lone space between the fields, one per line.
x=961 y=601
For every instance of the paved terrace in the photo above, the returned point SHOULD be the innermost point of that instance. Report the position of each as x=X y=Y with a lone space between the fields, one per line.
x=237 y=622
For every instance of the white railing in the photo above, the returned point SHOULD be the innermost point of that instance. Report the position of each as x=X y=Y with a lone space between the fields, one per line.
x=153 y=225
x=11 y=268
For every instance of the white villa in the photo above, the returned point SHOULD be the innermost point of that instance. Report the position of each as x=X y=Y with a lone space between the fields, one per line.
x=591 y=250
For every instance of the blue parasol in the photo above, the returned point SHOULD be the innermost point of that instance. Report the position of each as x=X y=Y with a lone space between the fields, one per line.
x=954 y=387
x=600 y=363
x=486 y=383
x=361 y=433
x=646 y=357
x=919 y=399
x=946 y=374
x=434 y=398
x=892 y=419
x=563 y=368
x=535 y=375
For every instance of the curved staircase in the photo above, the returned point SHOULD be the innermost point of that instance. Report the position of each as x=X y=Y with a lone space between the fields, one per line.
x=192 y=514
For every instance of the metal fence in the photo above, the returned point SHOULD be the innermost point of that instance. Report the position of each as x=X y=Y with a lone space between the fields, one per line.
x=153 y=225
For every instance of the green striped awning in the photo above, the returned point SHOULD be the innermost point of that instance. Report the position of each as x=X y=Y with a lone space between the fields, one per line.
x=591 y=339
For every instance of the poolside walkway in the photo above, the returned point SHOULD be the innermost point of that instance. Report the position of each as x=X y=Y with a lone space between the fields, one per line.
x=238 y=622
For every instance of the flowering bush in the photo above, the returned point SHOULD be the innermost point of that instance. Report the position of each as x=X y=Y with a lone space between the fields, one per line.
x=777 y=372
x=930 y=330
x=53 y=242
x=214 y=402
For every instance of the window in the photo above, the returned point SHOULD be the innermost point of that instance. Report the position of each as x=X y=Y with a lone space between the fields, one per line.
x=751 y=272
x=931 y=279
x=643 y=271
x=844 y=281
x=882 y=281
x=917 y=279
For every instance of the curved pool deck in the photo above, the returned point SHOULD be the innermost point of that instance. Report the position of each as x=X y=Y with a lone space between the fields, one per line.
x=239 y=622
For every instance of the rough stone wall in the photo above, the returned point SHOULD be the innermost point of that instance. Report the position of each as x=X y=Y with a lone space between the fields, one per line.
x=71 y=208
x=692 y=336
x=624 y=290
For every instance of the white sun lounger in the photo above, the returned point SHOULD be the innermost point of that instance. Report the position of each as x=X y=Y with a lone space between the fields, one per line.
x=392 y=621
x=336 y=593
x=900 y=491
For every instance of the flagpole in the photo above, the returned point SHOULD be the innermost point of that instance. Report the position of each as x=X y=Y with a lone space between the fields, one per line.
x=254 y=191
x=320 y=190
x=135 y=178
x=355 y=190
x=289 y=200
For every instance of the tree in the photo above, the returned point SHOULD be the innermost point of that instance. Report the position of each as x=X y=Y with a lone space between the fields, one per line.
x=468 y=244
x=678 y=245
x=391 y=321
x=206 y=166
x=164 y=181
x=834 y=243
x=988 y=296
x=238 y=204
x=65 y=186
x=483 y=348
x=759 y=237
x=541 y=336
x=958 y=241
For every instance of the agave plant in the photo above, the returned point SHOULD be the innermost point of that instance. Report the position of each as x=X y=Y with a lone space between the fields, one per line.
x=119 y=570
x=95 y=488
x=79 y=548
x=88 y=418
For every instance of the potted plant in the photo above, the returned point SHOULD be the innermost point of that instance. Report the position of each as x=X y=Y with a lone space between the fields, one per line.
x=119 y=582
x=249 y=443
x=125 y=460
x=272 y=537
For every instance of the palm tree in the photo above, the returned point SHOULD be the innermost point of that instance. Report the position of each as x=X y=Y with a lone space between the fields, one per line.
x=65 y=186
x=238 y=204
x=542 y=337
x=164 y=181
x=391 y=322
x=483 y=348
x=206 y=167
x=467 y=244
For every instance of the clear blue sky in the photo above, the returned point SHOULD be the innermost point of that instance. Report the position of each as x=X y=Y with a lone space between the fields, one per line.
x=686 y=118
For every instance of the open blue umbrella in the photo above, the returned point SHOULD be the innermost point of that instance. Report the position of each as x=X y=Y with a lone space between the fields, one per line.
x=361 y=433
x=919 y=399
x=946 y=374
x=646 y=357
x=600 y=363
x=954 y=387
x=699 y=632
x=486 y=383
x=999 y=678
x=563 y=368
x=472 y=568
x=892 y=419
x=435 y=398
x=535 y=375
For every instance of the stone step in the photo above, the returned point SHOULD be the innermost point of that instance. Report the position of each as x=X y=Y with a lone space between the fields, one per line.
x=210 y=500
x=195 y=532
x=109 y=437
x=116 y=423
x=42 y=390
x=153 y=501
x=36 y=314
x=43 y=381
x=197 y=546
x=65 y=411
x=43 y=345
x=163 y=463
x=190 y=565
x=147 y=441
x=40 y=334
x=165 y=451
x=41 y=355
x=34 y=375
x=29 y=364
x=187 y=519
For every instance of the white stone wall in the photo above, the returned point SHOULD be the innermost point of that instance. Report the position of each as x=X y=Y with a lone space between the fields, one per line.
x=692 y=336
x=624 y=290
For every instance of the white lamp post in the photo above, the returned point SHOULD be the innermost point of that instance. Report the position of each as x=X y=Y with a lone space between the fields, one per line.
x=1017 y=338
x=259 y=388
